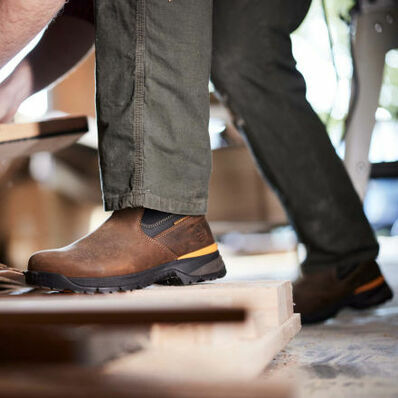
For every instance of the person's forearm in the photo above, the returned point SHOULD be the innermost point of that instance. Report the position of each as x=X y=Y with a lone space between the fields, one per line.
x=64 y=44
x=21 y=21
x=17 y=87
x=66 y=41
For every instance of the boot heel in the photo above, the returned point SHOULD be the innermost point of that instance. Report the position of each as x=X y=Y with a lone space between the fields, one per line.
x=372 y=297
x=182 y=273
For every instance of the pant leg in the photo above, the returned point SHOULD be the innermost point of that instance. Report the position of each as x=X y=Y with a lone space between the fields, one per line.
x=152 y=74
x=254 y=69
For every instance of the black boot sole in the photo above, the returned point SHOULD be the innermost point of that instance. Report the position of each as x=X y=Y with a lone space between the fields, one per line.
x=179 y=272
x=361 y=301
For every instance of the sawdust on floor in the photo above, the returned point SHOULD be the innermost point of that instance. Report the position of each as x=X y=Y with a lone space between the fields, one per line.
x=353 y=355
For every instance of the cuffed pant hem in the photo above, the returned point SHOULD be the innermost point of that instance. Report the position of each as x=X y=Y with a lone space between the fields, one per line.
x=118 y=202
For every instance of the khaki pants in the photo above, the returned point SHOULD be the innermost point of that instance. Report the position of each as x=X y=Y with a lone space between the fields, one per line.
x=154 y=58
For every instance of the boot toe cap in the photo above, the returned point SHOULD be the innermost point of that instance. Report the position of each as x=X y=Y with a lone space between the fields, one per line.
x=43 y=261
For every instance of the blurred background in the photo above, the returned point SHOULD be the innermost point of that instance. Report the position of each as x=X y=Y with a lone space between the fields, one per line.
x=64 y=189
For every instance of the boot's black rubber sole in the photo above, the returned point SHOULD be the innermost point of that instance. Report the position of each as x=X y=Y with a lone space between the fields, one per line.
x=361 y=301
x=178 y=272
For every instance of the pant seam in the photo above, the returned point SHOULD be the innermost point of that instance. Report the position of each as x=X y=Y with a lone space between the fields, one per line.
x=139 y=93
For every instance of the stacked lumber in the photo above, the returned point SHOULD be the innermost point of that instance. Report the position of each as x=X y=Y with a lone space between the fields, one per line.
x=216 y=351
x=211 y=339
x=81 y=329
x=222 y=330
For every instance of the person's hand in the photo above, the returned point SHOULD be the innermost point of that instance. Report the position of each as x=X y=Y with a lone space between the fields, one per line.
x=13 y=91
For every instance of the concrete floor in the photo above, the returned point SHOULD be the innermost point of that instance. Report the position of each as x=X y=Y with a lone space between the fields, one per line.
x=353 y=355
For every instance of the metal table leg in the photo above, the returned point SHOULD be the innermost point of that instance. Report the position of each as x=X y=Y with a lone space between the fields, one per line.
x=374 y=31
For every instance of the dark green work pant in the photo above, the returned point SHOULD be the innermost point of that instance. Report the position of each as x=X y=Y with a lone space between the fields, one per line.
x=154 y=58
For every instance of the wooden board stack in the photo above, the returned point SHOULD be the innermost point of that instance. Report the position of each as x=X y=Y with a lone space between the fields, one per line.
x=217 y=351
x=219 y=331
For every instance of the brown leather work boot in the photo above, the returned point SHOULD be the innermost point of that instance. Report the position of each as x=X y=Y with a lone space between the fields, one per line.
x=134 y=248
x=321 y=295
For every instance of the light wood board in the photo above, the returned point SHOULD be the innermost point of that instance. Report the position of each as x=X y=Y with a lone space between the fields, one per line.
x=24 y=139
x=77 y=382
x=235 y=358
x=192 y=331
x=217 y=351
x=108 y=311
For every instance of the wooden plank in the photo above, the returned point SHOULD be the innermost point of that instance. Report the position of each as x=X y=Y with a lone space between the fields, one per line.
x=189 y=327
x=272 y=298
x=67 y=381
x=230 y=359
x=24 y=139
x=58 y=126
x=50 y=328
x=270 y=303
x=67 y=310
x=83 y=345
x=15 y=149
x=217 y=351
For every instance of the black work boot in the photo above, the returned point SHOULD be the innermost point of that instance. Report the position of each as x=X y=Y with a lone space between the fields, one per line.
x=321 y=295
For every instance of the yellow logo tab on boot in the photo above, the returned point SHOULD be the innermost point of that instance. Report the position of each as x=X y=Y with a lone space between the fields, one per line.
x=201 y=252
